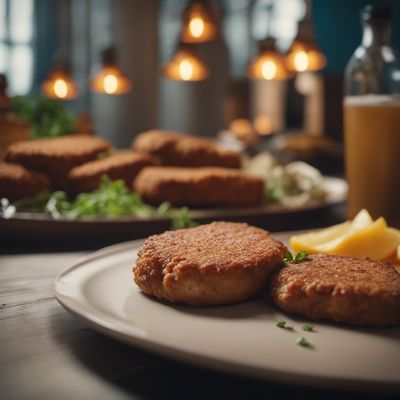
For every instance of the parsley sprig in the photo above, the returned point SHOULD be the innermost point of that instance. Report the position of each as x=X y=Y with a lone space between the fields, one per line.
x=110 y=199
x=45 y=117
x=283 y=325
x=303 y=342
x=300 y=256
x=308 y=327
x=300 y=341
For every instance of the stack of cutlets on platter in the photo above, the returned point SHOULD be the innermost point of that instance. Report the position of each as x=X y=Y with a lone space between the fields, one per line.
x=161 y=166
x=194 y=172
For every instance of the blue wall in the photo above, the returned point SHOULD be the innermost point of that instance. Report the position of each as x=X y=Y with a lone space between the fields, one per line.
x=338 y=28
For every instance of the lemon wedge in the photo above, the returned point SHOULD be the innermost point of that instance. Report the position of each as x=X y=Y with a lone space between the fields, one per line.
x=361 y=237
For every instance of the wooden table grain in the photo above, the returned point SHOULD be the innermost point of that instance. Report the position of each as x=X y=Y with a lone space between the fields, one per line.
x=47 y=354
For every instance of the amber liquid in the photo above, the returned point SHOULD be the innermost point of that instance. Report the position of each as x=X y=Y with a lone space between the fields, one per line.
x=372 y=151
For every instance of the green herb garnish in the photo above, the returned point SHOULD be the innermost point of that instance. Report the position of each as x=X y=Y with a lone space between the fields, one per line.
x=163 y=209
x=45 y=117
x=110 y=199
x=300 y=256
x=273 y=194
x=288 y=258
x=303 y=342
x=308 y=327
x=181 y=219
x=57 y=204
x=282 y=324
x=33 y=204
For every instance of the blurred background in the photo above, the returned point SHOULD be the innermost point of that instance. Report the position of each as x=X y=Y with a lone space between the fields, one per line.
x=205 y=83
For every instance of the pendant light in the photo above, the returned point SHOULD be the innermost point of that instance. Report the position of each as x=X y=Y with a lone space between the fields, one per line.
x=268 y=64
x=199 y=23
x=109 y=78
x=59 y=84
x=304 y=54
x=185 y=65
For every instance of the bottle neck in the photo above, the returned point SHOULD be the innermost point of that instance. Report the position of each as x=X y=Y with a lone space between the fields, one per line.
x=376 y=34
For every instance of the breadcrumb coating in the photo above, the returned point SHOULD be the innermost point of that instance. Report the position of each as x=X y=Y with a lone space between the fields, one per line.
x=339 y=288
x=199 y=187
x=181 y=150
x=217 y=263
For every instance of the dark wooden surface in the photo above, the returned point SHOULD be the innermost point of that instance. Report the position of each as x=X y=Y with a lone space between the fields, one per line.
x=47 y=354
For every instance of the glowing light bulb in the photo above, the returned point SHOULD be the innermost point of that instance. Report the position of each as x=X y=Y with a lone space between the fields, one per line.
x=199 y=23
x=301 y=61
x=196 y=27
x=60 y=88
x=186 y=70
x=268 y=70
x=110 y=84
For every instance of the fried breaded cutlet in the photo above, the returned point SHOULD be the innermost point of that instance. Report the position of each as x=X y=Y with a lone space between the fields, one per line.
x=17 y=182
x=218 y=263
x=181 y=150
x=120 y=165
x=199 y=187
x=342 y=289
x=56 y=156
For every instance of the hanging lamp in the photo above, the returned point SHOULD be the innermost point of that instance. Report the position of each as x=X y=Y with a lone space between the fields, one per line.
x=304 y=54
x=268 y=64
x=185 y=65
x=109 y=78
x=199 y=23
x=59 y=84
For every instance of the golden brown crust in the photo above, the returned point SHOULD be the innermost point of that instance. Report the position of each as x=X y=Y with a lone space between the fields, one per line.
x=17 y=182
x=343 y=289
x=56 y=156
x=181 y=150
x=199 y=187
x=120 y=165
x=218 y=263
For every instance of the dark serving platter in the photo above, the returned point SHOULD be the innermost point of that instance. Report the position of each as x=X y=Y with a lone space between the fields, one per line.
x=35 y=228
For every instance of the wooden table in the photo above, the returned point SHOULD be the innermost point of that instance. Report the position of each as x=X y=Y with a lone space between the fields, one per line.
x=47 y=354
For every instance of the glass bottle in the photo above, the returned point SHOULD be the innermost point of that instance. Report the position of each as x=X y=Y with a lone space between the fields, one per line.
x=372 y=120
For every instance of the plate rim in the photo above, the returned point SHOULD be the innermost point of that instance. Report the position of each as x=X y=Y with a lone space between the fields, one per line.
x=99 y=324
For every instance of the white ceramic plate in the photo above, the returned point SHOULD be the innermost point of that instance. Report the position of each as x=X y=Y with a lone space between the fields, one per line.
x=241 y=338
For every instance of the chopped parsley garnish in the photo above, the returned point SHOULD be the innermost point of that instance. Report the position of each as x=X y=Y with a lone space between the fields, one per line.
x=273 y=194
x=300 y=256
x=288 y=258
x=110 y=199
x=308 y=327
x=45 y=117
x=303 y=342
x=181 y=219
x=282 y=324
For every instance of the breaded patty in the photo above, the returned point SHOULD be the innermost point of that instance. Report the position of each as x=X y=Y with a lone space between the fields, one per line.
x=121 y=165
x=199 y=187
x=218 y=263
x=181 y=150
x=57 y=156
x=17 y=182
x=342 y=289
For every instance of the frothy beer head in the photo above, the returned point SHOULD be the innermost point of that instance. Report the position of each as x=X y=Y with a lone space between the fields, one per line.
x=371 y=100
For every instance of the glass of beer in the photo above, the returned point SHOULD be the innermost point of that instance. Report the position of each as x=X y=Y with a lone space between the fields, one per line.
x=372 y=121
